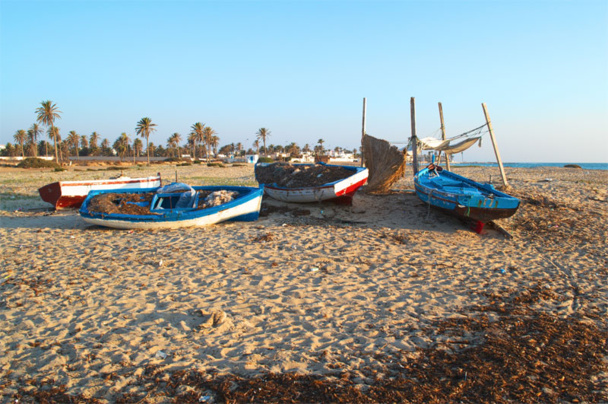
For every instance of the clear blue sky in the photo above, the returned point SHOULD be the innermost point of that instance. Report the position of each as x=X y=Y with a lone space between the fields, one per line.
x=302 y=68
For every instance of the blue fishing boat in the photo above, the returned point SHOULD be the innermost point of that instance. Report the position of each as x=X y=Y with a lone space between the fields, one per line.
x=462 y=196
x=173 y=206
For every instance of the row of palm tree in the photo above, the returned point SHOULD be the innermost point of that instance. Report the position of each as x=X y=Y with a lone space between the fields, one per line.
x=200 y=135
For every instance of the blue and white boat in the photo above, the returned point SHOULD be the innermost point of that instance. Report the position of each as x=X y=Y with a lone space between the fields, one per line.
x=173 y=206
x=462 y=196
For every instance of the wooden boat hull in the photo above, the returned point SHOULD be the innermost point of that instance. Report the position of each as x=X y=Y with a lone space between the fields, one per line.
x=463 y=197
x=71 y=194
x=341 y=191
x=245 y=207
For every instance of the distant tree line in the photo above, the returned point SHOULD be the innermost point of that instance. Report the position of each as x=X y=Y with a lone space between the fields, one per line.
x=201 y=142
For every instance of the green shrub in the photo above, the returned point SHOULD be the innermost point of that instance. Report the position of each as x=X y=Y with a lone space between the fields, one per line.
x=59 y=169
x=173 y=159
x=32 y=162
x=215 y=165
x=265 y=160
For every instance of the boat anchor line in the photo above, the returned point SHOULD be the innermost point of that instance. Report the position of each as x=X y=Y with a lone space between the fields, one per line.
x=428 y=202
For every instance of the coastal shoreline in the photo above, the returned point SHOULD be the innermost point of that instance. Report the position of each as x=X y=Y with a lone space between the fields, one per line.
x=350 y=295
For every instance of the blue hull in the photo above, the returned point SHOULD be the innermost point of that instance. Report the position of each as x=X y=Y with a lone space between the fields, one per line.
x=463 y=197
x=167 y=210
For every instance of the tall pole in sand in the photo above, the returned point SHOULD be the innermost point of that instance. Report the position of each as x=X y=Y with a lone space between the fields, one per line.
x=447 y=156
x=496 y=152
x=414 y=138
x=363 y=129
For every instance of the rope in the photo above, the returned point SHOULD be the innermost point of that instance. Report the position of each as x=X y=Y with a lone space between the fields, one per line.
x=428 y=213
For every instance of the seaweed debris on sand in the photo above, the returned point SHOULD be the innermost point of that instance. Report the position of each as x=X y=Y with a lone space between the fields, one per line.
x=296 y=176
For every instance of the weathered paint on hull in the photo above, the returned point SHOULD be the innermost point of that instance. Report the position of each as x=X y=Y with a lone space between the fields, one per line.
x=341 y=192
x=247 y=209
x=483 y=207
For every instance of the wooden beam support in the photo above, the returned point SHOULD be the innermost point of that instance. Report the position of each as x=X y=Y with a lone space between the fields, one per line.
x=447 y=156
x=496 y=152
x=414 y=137
x=363 y=130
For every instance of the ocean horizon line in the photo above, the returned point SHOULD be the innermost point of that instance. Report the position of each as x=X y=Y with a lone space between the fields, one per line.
x=586 y=166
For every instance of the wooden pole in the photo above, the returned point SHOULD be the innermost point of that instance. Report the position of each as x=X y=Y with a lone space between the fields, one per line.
x=363 y=130
x=414 y=138
x=496 y=152
x=447 y=156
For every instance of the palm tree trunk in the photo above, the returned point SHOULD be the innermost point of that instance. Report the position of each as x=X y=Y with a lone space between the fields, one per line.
x=55 y=142
x=148 y=149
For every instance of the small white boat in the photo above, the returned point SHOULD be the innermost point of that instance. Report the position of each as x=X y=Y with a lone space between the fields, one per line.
x=166 y=208
x=71 y=194
x=339 y=191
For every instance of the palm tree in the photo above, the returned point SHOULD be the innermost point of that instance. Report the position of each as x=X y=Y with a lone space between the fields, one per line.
x=84 y=144
x=20 y=137
x=263 y=133
x=122 y=145
x=144 y=128
x=293 y=149
x=208 y=137
x=53 y=134
x=192 y=143
x=47 y=114
x=73 y=140
x=34 y=132
x=105 y=147
x=320 y=142
x=137 y=148
x=93 y=140
x=173 y=141
x=215 y=142
x=256 y=144
x=198 y=134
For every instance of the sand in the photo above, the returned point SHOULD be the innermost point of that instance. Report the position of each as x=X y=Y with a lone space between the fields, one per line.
x=310 y=289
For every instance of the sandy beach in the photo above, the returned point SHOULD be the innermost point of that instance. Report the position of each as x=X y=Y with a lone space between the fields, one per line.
x=350 y=300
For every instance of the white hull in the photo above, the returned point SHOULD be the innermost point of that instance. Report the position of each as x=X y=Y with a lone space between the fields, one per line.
x=221 y=216
x=345 y=187
x=78 y=188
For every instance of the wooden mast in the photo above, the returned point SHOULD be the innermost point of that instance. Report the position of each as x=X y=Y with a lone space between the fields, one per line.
x=447 y=156
x=496 y=152
x=363 y=130
x=414 y=138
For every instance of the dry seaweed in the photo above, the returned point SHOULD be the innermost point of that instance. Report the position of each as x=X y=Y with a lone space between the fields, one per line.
x=121 y=203
x=525 y=356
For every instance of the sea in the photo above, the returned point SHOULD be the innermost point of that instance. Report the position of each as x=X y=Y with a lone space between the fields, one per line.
x=585 y=166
